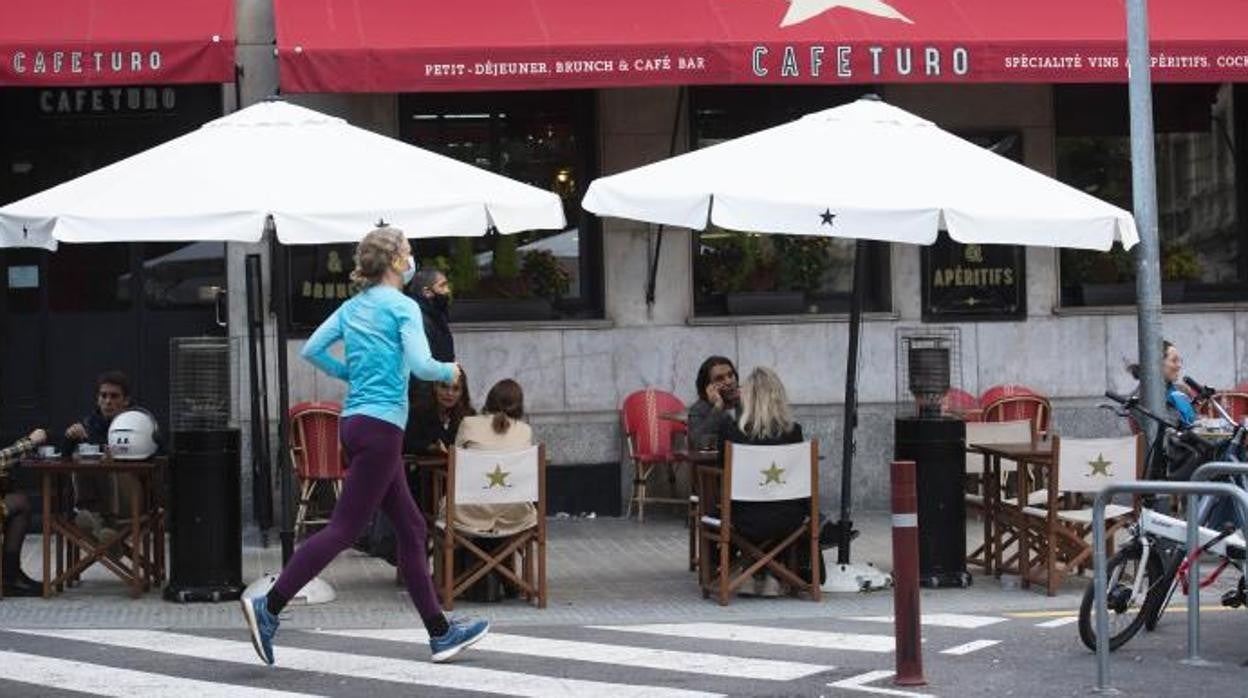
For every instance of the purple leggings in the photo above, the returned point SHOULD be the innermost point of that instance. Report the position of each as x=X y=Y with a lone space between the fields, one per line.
x=374 y=478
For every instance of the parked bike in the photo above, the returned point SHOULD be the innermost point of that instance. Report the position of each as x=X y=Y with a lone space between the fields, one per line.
x=1144 y=574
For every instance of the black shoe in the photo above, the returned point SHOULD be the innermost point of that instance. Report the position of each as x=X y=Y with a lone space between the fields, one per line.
x=21 y=585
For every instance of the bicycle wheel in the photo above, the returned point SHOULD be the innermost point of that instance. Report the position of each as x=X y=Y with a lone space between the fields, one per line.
x=1127 y=610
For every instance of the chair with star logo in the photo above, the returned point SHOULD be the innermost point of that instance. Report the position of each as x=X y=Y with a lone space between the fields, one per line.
x=1059 y=530
x=754 y=475
x=476 y=478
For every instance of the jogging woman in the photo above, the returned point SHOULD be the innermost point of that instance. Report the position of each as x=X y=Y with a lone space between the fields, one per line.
x=384 y=339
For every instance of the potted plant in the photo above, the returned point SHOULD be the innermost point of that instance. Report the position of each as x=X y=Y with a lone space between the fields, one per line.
x=1107 y=277
x=745 y=269
x=505 y=293
x=1178 y=266
x=543 y=274
x=803 y=263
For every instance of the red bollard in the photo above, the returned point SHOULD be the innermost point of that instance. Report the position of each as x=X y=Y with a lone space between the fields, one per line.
x=906 y=620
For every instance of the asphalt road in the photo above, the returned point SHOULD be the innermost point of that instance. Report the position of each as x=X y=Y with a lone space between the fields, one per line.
x=964 y=655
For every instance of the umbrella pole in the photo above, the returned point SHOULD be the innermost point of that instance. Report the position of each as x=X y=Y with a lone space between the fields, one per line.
x=279 y=289
x=851 y=401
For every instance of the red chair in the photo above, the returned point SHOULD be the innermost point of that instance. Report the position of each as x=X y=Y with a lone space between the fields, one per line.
x=960 y=403
x=1235 y=402
x=316 y=454
x=649 y=439
x=1007 y=403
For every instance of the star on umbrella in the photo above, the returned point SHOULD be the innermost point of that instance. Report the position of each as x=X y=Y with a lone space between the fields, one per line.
x=1100 y=466
x=802 y=10
x=826 y=216
x=498 y=478
x=773 y=474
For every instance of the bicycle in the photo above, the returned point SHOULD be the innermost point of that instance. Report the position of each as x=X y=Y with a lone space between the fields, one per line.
x=1144 y=574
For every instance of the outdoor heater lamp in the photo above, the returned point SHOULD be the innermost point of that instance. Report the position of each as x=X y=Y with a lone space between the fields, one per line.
x=928 y=361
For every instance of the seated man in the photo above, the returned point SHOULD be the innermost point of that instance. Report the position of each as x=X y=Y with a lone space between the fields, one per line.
x=15 y=512
x=95 y=495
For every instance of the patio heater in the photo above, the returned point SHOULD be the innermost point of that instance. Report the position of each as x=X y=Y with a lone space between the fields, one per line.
x=936 y=443
x=205 y=510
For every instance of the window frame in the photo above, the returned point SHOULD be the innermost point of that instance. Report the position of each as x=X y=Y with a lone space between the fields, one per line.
x=802 y=99
x=584 y=121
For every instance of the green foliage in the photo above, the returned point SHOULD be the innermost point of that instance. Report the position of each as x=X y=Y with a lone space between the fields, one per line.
x=461 y=269
x=506 y=258
x=803 y=261
x=1179 y=263
x=544 y=276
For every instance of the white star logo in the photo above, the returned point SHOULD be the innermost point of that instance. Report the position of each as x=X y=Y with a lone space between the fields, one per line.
x=802 y=10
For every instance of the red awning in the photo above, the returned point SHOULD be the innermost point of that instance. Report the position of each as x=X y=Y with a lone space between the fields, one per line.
x=414 y=45
x=116 y=42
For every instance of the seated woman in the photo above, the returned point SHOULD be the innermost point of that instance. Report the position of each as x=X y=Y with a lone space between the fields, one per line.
x=15 y=514
x=766 y=420
x=497 y=428
x=436 y=416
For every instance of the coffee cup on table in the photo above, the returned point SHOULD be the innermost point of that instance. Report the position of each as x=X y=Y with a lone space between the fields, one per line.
x=48 y=452
x=88 y=450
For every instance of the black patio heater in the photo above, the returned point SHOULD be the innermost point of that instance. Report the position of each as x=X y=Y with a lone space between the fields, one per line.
x=936 y=444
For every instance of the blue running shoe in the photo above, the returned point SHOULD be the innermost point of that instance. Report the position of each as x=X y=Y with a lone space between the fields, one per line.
x=461 y=635
x=262 y=624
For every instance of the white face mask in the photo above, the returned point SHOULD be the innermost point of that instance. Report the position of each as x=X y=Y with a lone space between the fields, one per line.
x=410 y=272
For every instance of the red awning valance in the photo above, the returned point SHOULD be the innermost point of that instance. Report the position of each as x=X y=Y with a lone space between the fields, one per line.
x=116 y=42
x=414 y=45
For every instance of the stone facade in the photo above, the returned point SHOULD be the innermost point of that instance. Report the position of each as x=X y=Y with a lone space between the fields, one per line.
x=576 y=374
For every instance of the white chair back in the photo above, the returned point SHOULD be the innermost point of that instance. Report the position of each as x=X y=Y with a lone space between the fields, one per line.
x=1015 y=432
x=771 y=473
x=1089 y=465
x=496 y=477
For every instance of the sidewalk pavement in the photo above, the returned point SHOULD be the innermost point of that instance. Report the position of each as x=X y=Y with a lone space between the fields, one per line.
x=599 y=571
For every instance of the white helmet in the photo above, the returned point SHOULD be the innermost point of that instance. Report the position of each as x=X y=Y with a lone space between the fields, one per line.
x=132 y=435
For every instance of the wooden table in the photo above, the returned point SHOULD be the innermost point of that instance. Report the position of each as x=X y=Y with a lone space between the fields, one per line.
x=428 y=467
x=997 y=520
x=136 y=554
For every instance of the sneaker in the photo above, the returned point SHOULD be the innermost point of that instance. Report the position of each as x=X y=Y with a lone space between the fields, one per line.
x=769 y=586
x=461 y=635
x=262 y=624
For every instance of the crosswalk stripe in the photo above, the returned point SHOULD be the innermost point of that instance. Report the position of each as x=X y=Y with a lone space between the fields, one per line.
x=646 y=658
x=859 y=683
x=972 y=646
x=365 y=667
x=812 y=639
x=101 y=680
x=943 y=620
x=1058 y=622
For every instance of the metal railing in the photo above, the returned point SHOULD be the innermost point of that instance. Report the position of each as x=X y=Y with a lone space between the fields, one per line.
x=1192 y=490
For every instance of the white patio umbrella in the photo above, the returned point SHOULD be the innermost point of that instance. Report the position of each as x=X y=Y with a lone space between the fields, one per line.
x=870 y=171
x=314 y=178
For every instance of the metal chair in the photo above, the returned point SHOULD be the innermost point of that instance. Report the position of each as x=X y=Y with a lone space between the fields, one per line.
x=1006 y=403
x=649 y=443
x=316 y=454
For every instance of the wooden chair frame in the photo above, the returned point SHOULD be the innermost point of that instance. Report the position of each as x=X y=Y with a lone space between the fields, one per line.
x=529 y=544
x=979 y=501
x=1062 y=544
x=715 y=575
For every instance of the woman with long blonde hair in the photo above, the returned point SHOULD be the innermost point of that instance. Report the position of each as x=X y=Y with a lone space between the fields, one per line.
x=766 y=420
x=383 y=336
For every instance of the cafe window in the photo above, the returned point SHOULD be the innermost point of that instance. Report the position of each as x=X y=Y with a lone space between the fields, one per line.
x=545 y=139
x=1200 y=227
x=738 y=273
